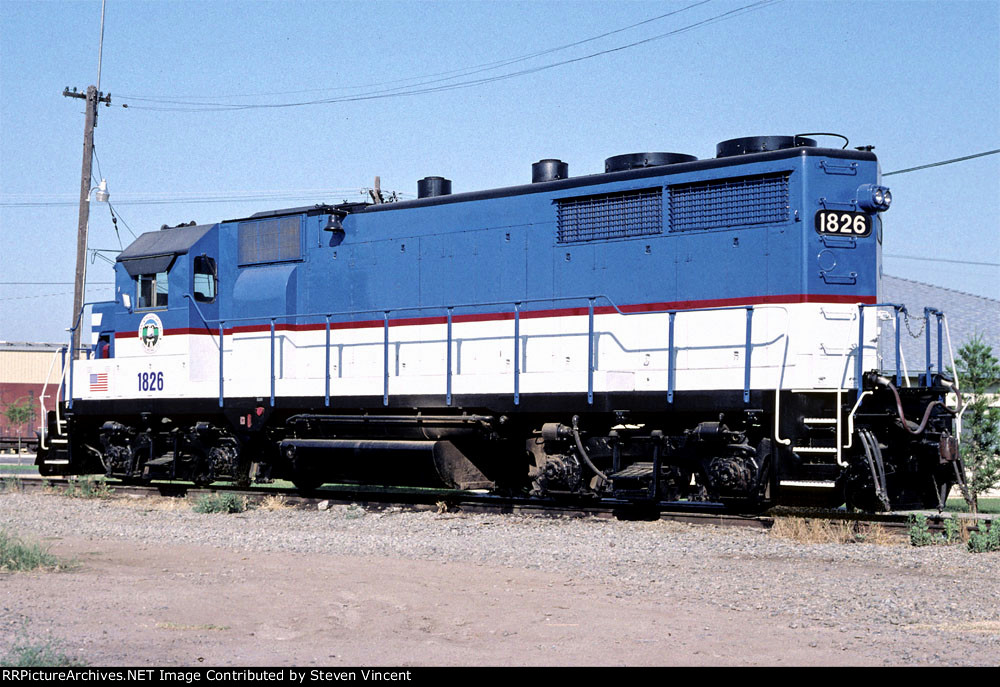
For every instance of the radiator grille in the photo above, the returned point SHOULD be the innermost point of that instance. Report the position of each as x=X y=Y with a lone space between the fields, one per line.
x=269 y=240
x=610 y=216
x=729 y=202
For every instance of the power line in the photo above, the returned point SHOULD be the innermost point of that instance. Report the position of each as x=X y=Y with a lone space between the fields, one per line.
x=463 y=71
x=98 y=161
x=40 y=200
x=114 y=221
x=42 y=295
x=51 y=283
x=957 y=262
x=943 y=162
x=423 y=88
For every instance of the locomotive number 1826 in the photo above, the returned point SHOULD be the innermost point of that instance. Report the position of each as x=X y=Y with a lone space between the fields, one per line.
x=150 y=381
x=840 y=223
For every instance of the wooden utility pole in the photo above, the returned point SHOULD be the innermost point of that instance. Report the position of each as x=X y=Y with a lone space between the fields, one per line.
x=92 y=97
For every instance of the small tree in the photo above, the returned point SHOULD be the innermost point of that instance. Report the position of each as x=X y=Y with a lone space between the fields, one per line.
x=17 y=414
x=979 y=371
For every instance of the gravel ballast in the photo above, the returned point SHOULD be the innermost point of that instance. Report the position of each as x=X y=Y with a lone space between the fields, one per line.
x=882 y=604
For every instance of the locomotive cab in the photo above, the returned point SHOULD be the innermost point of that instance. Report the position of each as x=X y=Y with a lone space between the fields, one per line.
x=167 y=280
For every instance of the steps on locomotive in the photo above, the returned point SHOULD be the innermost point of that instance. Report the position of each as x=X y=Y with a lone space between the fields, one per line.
x=633 y=481
x=819 y=423
x=54 y=459
x=159 y=468
x=814 y=423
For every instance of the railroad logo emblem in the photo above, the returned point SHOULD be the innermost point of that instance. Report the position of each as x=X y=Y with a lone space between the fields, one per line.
x=150 y=333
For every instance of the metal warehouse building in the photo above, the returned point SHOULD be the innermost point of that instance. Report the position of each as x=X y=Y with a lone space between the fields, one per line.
x=24 y=370
x=968 y=316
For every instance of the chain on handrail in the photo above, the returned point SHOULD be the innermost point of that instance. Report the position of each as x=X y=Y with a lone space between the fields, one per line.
x=906 y=321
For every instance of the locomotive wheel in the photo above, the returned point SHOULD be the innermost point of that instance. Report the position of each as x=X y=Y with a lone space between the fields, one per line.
x=306 y=478
x=861 y=497
x=201 y=476
x=242 y=480
x=307 y=484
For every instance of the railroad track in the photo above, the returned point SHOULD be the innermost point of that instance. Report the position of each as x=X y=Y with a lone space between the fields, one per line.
x=374 y=498
x=13 y=443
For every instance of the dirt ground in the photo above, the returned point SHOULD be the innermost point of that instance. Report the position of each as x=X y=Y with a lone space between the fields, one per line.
x=191 y=605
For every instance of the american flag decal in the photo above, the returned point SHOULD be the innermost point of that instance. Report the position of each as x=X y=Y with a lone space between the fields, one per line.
x=99 y=381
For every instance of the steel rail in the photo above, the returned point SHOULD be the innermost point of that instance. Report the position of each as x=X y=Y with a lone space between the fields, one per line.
x=443 y=500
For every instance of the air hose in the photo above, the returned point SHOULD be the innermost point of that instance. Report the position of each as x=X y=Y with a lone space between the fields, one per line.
x=899 y=408
x=583 y=452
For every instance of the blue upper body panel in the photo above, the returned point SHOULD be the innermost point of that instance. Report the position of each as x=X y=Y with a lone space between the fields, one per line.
x=698 y=233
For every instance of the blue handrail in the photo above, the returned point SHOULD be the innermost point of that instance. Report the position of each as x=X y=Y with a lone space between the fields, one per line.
x=326 y=394
x=517 y=309
x=517 y=353
x=670 y=360
x=927 y=338
x=448 y=392
x=859 y=363
x=449 y=321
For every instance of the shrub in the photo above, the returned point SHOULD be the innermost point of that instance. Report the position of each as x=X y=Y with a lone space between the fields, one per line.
x=221 y=503
x=986 y=539
x=88 y=488
x=354 y=511
x=920 y=532
x=12 y=484
x=17 y=555
x=952 y=531
x=980 y=372
x=32 y=653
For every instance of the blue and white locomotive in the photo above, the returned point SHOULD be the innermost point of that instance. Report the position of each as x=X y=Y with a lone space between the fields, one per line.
x=671 y=329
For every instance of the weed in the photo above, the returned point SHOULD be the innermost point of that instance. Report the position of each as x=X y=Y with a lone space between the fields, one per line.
x=16 y=555
x=920 y=531
x=818 y=531
x=12 y=484
x=986 y=539
x=88 y=488
x=164 y=503
x=354 y=511
x=873 y=533
x=47 y=654
x=804 y=531
x=221 y=503
x=178 y=626
x=274 y=502
x=952 y=531
x=32 y=653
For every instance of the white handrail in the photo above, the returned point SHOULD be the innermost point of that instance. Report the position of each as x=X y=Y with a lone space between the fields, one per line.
x=41 y=402
x=958 y=386
x=62 y=380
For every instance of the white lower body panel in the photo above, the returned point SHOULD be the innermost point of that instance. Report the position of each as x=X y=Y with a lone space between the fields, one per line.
x=792 y=346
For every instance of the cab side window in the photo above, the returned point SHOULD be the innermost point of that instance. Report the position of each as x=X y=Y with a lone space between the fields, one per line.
x=205 y=279
x=152 y=290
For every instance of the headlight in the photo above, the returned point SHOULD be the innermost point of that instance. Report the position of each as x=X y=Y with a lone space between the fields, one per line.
x=874 y=198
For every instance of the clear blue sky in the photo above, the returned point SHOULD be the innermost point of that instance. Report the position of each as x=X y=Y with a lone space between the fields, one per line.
x=918 y=80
